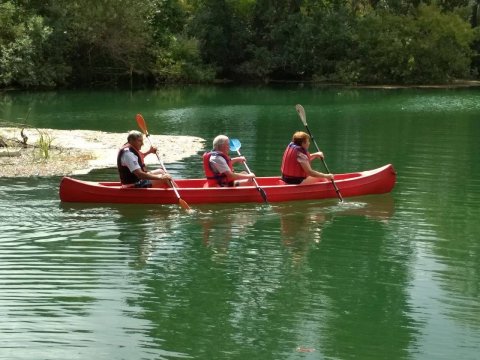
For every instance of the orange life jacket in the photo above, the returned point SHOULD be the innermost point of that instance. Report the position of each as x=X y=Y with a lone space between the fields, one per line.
x=213 y=178
x=290 y=166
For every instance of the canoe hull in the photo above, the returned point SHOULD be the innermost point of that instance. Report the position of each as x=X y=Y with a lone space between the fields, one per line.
x=194 y=191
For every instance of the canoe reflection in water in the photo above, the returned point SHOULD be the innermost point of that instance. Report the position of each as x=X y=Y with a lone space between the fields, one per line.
x=302 y=224
x=153 y=230
x=222 y=224
x=145 y=230
x=298 y=224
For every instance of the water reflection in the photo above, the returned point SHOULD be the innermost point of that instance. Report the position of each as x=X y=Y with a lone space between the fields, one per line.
x=302 y=225
x=246 y=253
x=143 y=230
x=222 y=224
x=299 y=226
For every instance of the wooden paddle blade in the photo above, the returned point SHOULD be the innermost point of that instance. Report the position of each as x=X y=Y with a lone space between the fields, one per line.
x=301 y=113
x=184 y=204
x=141 y=124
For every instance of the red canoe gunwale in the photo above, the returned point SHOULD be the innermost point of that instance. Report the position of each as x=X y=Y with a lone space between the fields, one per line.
x=194 y=191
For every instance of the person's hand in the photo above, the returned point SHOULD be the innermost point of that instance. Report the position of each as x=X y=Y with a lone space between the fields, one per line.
x=329 y=176
x=251 y=176
x=152 y=150
x=318 y=155
x=241 y=159
x=165 y=177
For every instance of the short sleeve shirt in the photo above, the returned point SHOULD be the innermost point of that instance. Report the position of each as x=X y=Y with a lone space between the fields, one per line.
x=218 y=164
x=130 y=160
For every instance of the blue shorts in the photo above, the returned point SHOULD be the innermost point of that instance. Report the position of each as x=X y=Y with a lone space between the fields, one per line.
x=143 y=184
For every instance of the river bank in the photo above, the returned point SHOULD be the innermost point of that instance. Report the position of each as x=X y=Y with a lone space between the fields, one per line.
x=73 y=152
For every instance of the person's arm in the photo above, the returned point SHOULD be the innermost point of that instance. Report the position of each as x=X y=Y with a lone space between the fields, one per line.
x=238 y=159
x=317 y=155
x=220 y=166
x=310 y=172
x=152 y=150
x=231 y=176
x=149 y=176
x=129 y=160
x=305 y=164
x=241 y=175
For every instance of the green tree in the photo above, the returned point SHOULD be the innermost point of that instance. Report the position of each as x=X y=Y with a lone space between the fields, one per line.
x=176 y=56
x=25 y=59
x=298 y=40
x=223 y=31
x=105 y=41
x=426 y=47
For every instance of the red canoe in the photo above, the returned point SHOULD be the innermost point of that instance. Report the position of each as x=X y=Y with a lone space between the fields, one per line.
x=195 y=191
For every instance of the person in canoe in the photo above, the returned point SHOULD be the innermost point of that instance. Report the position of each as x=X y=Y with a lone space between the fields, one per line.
x=296 y=168
x=218 y=165
x=131 y=165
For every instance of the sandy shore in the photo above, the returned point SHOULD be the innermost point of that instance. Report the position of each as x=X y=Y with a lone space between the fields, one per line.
x=80 y=151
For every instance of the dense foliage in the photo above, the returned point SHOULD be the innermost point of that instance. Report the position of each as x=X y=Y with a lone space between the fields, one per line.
x=131 y=42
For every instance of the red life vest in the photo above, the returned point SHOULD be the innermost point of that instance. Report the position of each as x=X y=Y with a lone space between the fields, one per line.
x=126 y=176
x=213 y=178
x=290 y=166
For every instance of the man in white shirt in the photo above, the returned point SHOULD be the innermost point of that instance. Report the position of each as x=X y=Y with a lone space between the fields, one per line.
x=131 y=166
x=218 y=165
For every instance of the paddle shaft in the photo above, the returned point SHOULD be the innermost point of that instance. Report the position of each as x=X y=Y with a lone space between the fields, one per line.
x=163 y=167
x=324 y=163
x=143 y=126
x=260 y=190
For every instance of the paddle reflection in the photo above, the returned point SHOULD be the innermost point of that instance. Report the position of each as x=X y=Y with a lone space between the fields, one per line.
x=302 y=224
x=144 y=229
x=141 y=228
x=299 y=224
x=222 y=224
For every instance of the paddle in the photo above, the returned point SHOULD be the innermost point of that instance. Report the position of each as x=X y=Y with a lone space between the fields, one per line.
x=235 y=145
x=303 y=117
x=143 y=126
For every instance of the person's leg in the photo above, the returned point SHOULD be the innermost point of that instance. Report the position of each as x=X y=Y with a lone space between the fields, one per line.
x=312 y=180
x=246 y=182
x=143 y=184
x=159 y=183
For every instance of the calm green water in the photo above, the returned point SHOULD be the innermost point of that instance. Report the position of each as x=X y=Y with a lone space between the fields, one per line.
x=394 y=276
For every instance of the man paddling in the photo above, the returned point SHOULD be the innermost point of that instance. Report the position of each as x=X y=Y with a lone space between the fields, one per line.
x=218 y=165
x=131 y=165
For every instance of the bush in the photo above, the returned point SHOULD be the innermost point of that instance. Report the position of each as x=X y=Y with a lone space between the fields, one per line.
x=24 y=59
x=427 y=47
